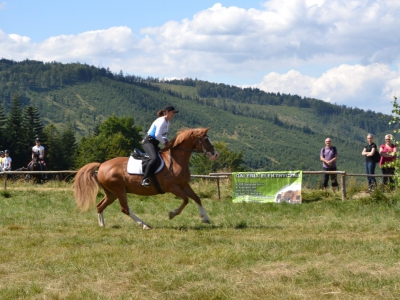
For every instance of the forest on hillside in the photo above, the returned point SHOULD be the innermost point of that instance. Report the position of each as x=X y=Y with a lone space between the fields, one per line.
x=34 y=76
x=275 y=131
x=351 y=117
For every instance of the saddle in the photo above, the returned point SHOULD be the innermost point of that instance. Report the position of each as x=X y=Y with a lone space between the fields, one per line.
x=137 y=154
x=138 y=161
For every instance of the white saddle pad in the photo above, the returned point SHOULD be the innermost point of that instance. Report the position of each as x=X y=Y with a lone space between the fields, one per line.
x=134 y=166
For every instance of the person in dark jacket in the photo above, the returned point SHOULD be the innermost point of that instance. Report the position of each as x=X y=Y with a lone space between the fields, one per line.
x=328 y=155
x=370 y=164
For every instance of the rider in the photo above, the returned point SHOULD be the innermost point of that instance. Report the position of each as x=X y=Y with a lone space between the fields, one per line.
x=38 y=148
x=157 y=134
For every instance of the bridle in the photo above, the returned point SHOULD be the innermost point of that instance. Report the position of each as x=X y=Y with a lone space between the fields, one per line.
x=204 y=147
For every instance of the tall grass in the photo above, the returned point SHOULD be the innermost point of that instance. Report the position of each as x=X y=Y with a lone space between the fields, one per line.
x=324 y=248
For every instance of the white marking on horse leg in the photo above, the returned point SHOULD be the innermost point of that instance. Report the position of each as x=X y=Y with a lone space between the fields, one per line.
x=100 y=217
x=203 y=214
x=138 y=221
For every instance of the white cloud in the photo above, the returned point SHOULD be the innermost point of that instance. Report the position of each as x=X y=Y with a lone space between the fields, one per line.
x=367 y=87
x=299 y=29
x=15 y=46
x=100 y=43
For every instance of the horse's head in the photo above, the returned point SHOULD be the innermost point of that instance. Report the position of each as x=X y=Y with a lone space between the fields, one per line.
x=194 y=140
x=35 y=159
x=205 y=146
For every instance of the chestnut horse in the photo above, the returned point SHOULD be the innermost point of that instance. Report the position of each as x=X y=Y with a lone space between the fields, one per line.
x=174 y=178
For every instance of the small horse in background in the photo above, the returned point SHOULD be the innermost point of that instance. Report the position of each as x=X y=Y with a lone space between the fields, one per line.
x=34 y=165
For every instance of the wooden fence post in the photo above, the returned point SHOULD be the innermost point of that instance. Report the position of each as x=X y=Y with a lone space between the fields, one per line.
x=343 y=183
x=219 y=193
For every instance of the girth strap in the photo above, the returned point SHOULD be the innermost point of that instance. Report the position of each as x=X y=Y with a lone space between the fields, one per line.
x=157 y=184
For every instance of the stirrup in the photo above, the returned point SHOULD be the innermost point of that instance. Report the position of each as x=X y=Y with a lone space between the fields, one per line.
x=146 y=182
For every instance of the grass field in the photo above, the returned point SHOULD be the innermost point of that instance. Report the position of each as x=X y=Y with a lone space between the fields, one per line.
x=324 y=248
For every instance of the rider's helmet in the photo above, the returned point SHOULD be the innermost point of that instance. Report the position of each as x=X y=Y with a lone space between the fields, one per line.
x=6 y=151
x=37 y=139
x=1 y=152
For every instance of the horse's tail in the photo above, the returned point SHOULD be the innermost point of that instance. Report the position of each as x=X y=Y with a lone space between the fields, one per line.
x=86 y=186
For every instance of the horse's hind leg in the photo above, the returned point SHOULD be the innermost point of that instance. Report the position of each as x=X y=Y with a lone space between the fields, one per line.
x=123 y=201
x=138 y=220
x=119 y=192
x=101 y=206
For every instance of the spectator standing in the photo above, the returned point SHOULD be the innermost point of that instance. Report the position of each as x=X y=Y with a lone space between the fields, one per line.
x=7 y=161
x=370 y=164
x=388 y=153
x=328 y=156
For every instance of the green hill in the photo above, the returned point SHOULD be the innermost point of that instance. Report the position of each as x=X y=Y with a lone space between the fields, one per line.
x=275 y=131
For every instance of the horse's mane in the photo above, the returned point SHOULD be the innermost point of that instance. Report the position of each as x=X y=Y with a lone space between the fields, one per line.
x=183 y=135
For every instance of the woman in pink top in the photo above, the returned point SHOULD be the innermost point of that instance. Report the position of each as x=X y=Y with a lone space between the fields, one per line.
x=388 y=155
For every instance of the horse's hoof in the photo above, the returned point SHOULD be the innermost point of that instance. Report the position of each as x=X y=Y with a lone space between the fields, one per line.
x=146 y=227
x=171 y=215
x=206 y=221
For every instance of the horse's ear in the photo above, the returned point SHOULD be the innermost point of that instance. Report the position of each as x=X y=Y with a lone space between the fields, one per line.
x=206 y=130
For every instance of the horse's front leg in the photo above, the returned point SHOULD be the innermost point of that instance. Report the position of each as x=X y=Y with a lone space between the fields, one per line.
x=203 y=215
x=184 y=194
x=174 y=213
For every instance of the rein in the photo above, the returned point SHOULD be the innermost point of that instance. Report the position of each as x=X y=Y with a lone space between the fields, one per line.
x=203 y=146
x=184 y=149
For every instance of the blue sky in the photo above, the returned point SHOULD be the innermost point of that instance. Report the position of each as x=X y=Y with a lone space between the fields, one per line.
x=344 y=52
x=42 y=19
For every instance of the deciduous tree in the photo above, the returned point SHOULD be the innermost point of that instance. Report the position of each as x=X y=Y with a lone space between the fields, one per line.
x=116 y=136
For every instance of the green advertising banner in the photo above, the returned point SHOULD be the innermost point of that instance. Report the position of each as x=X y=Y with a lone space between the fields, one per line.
x=265 y=187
